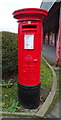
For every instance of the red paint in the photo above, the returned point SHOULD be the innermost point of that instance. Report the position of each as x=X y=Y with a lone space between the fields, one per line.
x=58 y=47
x=58 y=53
x=29 y=59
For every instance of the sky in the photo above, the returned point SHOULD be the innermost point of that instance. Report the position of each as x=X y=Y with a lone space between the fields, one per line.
x=7 y=7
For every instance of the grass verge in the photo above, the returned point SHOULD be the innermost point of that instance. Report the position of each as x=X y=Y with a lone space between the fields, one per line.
x=9 y=94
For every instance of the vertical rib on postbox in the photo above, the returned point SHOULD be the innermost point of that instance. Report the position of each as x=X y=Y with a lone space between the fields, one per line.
x=29 y=54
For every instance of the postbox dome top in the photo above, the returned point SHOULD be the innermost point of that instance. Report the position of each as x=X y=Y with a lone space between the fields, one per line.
x=30 y=14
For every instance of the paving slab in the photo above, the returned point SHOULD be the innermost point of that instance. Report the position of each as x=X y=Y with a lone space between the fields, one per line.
x=49 y=52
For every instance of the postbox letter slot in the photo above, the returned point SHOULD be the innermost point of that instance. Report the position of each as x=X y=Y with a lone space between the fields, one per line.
x=28 y=26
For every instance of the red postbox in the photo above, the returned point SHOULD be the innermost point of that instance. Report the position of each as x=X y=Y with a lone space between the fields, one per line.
x=30 y=31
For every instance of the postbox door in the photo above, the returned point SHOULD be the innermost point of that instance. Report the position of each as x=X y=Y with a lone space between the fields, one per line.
x=29 y=58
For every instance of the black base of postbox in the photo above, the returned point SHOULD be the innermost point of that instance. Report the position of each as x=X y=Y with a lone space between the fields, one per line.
x=29 y=97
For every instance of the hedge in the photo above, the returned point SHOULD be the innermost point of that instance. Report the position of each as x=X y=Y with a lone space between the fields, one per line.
x=9 y=53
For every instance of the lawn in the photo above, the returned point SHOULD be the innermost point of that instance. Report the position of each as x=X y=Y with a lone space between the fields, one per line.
x=9 y=93
x=46 y=74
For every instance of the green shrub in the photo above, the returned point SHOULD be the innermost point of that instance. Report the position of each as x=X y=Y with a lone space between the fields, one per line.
x=9 y=53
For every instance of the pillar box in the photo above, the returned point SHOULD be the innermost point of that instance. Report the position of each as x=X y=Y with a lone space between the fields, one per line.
x=30 y=35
